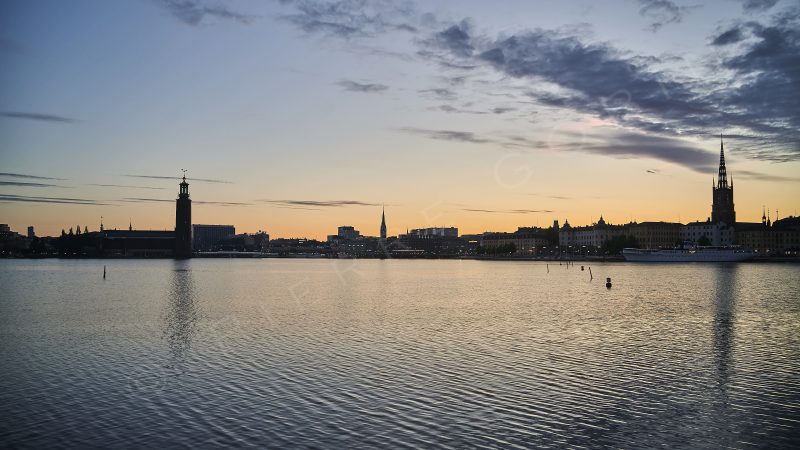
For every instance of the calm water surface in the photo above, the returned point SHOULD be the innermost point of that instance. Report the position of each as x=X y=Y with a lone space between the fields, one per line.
x=357 y=354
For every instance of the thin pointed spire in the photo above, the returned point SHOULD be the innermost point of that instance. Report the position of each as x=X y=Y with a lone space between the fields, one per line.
x=383 y=221
x=722 y=179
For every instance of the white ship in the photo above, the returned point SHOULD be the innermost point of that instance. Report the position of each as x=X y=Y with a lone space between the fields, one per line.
x=696 y=254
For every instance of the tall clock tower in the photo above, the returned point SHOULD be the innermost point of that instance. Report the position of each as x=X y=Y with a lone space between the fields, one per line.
x=183 y=222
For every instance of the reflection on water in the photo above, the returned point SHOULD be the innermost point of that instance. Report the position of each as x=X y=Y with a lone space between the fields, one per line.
x=400 y=354
x=725 y=284
x=180 y=318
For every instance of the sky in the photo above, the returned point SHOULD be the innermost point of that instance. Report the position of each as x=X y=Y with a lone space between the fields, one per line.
x=298 y=116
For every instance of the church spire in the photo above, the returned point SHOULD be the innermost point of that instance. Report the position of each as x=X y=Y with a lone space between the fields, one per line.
x=722 y=179
x=383 y=223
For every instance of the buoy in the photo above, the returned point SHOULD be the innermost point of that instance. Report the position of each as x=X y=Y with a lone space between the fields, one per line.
x=608 y=283
x=581 y=268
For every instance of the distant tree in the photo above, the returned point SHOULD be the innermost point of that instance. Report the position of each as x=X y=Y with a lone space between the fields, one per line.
x=614 y=245
x=704 y=241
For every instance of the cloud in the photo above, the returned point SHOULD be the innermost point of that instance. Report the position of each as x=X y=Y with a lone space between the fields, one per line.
x=441 y=93
x=192 y=12
x=25 y=184
x=315 y=204
x=456 y=39
x=36 y=116
x=661 y=12
x=730 y=36
x=509 y=211
x=625 y=145
x=503 y=110
x=32 y=177
x=353 y=86
x=447 y=135
x=126 y=186
x=758 y=5
x=749 y=174
x=566 y=68
x=198 y=202
x=351 y=18
x=554 y=197
x=565 y=71
x=67 y=201
x=161 y=177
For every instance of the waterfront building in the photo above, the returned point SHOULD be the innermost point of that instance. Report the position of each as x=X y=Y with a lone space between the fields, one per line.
x=654 y=235
x=435 y=231
x=592 y=236
x=526 y=240
x=413 y=244
x=31 y=232
x=183 y=222
x=347 y=232
x=135 y=243
x=716 y=234
x=207 y=237
x=781 y=237
x=245 y=242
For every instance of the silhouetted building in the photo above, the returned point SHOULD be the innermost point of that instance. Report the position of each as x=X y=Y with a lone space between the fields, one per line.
x=436 y=231
x=526 y=240
x=716 y=234
x=135 y=243
x=206 y=238
x=347 y=232
x=183 y=222
x=722 y=208
x=31 y=233
x=781 y=237
x=654 y=234
x=592 y=236
x=383 y=224
x=258 y=242
x=130 y=243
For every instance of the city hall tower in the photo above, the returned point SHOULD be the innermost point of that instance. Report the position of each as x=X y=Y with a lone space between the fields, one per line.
x=183 y=222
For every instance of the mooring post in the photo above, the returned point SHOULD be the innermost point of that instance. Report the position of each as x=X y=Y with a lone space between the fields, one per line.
x=104 y=272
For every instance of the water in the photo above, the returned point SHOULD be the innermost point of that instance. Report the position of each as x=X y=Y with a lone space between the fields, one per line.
x=367 y=353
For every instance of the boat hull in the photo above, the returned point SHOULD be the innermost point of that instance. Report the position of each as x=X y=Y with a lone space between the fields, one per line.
x=687 y=255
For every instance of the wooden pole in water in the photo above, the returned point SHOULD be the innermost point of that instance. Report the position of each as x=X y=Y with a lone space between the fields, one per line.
x=591 y=277
x=548 y=268
x=104 y=272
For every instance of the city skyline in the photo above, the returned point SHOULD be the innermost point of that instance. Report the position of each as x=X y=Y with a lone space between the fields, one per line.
x=295 y=119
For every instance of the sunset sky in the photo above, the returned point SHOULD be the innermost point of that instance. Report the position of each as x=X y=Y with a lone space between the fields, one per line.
x=298 y=116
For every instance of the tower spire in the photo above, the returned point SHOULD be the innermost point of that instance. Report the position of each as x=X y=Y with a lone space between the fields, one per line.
x=383 y=222
x=722 y=179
